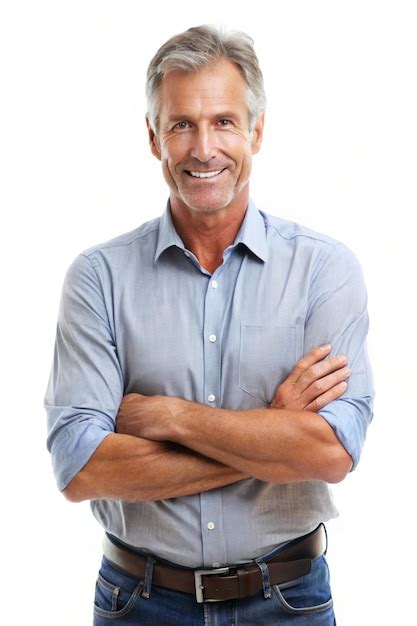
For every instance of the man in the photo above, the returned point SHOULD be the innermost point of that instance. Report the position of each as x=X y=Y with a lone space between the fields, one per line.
x=180 y=402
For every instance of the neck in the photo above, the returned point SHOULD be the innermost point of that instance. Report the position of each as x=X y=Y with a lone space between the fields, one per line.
x=208 y=234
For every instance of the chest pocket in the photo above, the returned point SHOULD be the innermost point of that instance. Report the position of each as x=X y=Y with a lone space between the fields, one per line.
x=267 y=355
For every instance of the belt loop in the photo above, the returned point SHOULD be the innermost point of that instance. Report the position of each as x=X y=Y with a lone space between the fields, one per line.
x=265 y=577
x=327 y=540
x=146 y=591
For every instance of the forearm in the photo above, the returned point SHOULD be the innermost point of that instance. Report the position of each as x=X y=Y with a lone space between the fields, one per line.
x=278 y=446
x=135 y=469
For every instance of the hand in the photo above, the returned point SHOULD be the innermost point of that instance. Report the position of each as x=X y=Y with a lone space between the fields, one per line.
x=147 y=416
x=314 y=382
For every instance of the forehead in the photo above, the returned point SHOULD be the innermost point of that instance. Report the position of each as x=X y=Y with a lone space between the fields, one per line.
x=213 y=88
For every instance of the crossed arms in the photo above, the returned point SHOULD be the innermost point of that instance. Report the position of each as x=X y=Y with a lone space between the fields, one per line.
x=134 y=448
x=166 y=447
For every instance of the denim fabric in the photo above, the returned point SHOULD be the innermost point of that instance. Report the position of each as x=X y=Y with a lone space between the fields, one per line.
x=305 y=602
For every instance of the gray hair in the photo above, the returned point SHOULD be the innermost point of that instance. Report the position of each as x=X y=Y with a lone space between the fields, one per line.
x=197 y=48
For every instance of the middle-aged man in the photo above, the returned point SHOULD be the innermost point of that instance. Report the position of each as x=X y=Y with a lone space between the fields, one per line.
x=200 y=395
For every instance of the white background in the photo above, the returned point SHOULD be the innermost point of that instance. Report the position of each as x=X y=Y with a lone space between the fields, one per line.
x=339 y=156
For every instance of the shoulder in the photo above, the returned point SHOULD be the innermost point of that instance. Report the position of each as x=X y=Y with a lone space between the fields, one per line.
x=125 y=241
x=323 y=247
x=101 y=261
x=288 y=230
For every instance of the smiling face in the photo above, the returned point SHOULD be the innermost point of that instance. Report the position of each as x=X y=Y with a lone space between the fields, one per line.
x=203 y=141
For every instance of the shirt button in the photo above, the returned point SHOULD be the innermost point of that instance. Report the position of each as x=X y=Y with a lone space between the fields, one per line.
x=210 y=525
x=214 y=284
x=212 y=338
x=211 y=397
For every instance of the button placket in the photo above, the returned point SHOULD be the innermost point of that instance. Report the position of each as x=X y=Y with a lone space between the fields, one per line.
x=211 y=501
x=212 y=348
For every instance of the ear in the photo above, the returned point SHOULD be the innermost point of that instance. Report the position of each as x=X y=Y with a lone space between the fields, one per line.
x=257 y=133
x=153 y=140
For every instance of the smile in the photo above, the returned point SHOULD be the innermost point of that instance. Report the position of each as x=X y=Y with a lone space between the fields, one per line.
x=205 y=174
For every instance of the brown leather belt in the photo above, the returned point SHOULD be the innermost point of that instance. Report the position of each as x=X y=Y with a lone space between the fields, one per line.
x=225 y=583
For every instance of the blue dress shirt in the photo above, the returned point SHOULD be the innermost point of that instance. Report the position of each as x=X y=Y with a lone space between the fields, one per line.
x=140 y=314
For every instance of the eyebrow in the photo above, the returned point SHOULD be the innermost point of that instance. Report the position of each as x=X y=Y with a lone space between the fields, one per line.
x=219 y=115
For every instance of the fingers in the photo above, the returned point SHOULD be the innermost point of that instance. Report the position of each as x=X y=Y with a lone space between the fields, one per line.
x=315 y=380
x=309 y=359
x=329 y=396
x=320 y=369
x=321 y=385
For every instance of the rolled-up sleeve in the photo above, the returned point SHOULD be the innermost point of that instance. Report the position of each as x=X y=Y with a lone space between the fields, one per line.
x=86 y=385
x=338 y=315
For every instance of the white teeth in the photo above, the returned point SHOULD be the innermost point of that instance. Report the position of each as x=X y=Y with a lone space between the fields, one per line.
x=205 y=174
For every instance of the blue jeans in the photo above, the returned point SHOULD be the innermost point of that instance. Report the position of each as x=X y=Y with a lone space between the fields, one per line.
x=119 y=600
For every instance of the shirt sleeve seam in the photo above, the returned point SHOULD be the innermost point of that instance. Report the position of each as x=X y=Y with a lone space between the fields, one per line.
x=94 y=264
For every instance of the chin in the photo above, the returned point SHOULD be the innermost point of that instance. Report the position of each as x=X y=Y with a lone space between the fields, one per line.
x=206 y=208
x=210 y=205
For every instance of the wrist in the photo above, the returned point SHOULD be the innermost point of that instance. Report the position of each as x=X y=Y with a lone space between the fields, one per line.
x=176 y=418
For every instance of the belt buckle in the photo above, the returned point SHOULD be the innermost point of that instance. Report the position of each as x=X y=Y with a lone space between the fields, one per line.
x=198 y=574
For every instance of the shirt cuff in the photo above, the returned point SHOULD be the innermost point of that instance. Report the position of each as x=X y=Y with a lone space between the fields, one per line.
x=350 y=418
x=73 y=446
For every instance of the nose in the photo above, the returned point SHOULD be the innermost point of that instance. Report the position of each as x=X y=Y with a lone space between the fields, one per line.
x=203 y=144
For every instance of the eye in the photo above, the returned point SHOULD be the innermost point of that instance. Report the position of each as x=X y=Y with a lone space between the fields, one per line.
x=181 y=125
x=225 y=122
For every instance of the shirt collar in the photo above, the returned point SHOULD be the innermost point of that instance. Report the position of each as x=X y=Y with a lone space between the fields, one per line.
x=252 y=233
x=167 y=235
